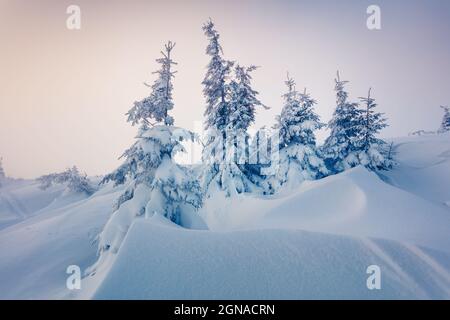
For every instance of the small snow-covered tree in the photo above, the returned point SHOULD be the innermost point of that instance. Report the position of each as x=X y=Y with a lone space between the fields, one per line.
x=372 y=151
x=339 y=149
x=2 y=171
x=75 y=181
x=445 y=124
x=391 y=153
x=299 y=158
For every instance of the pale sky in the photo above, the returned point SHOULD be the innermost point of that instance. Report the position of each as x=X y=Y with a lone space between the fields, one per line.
x=64 y=92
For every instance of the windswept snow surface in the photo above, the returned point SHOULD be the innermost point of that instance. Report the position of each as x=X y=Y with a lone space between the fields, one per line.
x=268 y=264
x=424 y=167
x=20 y=199
x=315 y=241
x=358 y=203
x=36 y=251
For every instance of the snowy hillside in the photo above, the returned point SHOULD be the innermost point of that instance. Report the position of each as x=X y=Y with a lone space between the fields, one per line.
x=36 y=250
x=19 y=199
x=312 y=242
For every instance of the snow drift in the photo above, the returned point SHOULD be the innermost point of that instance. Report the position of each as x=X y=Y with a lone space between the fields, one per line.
x=267 y=264
x=312 y=242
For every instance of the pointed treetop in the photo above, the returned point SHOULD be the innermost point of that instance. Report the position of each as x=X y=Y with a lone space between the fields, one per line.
x=156 y=106
x=342 y=95
x=169 y=46
x=369 y=97
x=290 y=82
x=338 y=79
x=213 y=47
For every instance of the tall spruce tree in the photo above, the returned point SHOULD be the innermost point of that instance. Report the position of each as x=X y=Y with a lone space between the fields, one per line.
x=156 y=184
x=339 y=148
x=215 y=91
x=215 y=82
x=230 y=110
x=373 y=152
x=156 y=106
x=242 y=99
x=299 y=158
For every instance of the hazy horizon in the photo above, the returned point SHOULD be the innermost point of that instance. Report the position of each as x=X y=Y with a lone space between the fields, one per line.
x=65 y=92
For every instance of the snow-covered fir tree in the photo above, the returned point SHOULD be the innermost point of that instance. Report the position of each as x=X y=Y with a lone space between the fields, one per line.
x=339 y=149
x=215 y=90
x=155 y=183
x=216 y=81
x=75 y=181
x=242 y=99
x=445 y=124
x=156 y=106
x=165 y=186
x=230 y=110
x=299 y=158
x=243 y=103
x=373 y=152
x=2 y=171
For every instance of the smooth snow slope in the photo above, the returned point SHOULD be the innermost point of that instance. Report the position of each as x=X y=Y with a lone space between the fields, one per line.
x=424 y=167
x=20 y=199
x=358 y=203
x=165 y=262
x=35 y=253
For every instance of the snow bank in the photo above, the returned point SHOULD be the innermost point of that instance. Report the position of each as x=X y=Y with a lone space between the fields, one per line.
x=20 y=199
x=166 y=262
x=424 y=167
x=358 y=203
x=35 y=253
x=312 y=242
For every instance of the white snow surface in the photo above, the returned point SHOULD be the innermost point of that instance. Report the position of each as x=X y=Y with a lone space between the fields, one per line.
x=268 y=264
x=315 y=241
